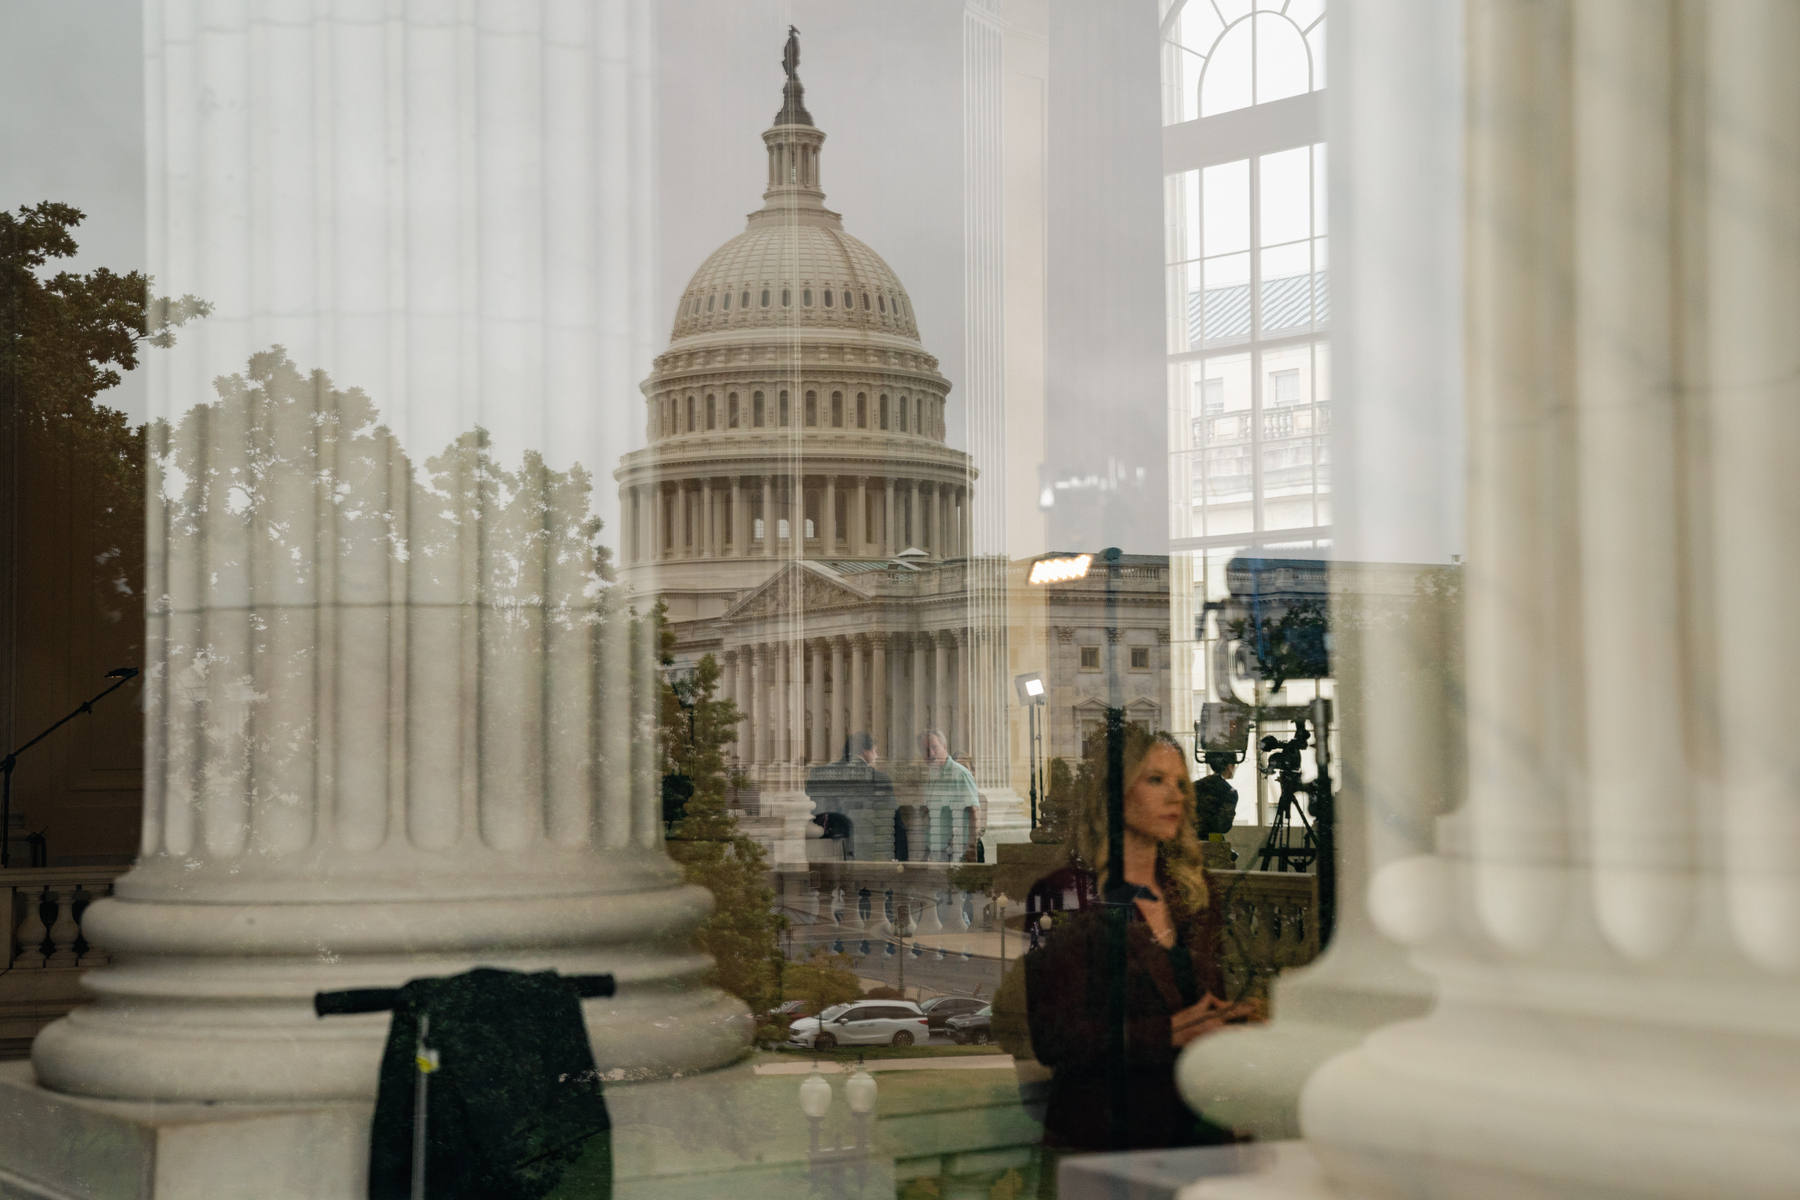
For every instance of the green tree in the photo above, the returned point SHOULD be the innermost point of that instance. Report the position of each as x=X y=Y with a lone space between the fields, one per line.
x=822 y=979
x=64 y=340
x=743 y=932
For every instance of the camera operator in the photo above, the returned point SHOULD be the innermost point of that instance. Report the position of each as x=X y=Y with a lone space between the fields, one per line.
x=1215 y=800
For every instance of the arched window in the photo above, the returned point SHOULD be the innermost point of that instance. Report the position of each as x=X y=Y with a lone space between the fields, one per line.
x=690 y=414
x=744 y=300
x=862 y=410
x=883 y=413
x=827 y=297
x=900 y=421
x=812 y=408
x=806 y=297
x=727 y=302
x=765 y=298
x=881 y=302
x=865 y=302
x=787 y=298
x=784 y=409
x=712 y=411
x=837 y=410
x=709 y=303
x=695 y=310
x=756 y=410
x=731 y=411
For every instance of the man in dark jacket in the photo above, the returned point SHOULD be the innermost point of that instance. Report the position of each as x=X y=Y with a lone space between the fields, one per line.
x=1215 y=800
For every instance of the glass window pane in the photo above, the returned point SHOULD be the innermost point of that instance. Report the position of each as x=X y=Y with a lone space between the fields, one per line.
x=1286 y=200
x=1282 y=67
x=1226 y=84
x=1226 y=216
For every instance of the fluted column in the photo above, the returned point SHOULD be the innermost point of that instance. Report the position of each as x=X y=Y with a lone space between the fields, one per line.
x=821 y=727
x=736 y=521
x=835 y=728
x=940 y=683
x=857 y=723
x=768 y=512
x=859 y=527
x=781 y=655
x=890 y=536
x=921 y=683
x=879 y=694
x=709 y=539
x=759 y=690
x=1612 y=929
x=829 y=527
x=961 y=732
x=383 y=738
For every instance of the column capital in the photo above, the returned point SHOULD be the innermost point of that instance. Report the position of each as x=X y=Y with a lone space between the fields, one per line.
x=1113 y=633
x=878 y=640
x=960 y=636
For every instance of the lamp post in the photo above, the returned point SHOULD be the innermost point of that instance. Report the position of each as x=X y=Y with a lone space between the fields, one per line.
x=815 y=1102
x=1033 y=695
x=124 y=675
x=1000 y=902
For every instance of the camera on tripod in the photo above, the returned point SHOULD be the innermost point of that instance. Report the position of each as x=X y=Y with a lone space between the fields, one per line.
x=1285 y=756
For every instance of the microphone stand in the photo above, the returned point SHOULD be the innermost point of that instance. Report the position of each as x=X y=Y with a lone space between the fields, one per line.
x=124 y=675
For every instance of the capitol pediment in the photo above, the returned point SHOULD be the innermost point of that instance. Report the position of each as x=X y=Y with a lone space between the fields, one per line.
x=796 y=587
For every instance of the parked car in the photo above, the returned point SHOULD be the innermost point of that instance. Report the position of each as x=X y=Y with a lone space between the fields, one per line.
x=865 y=1023
x=941 y=1008
x=975 y=1027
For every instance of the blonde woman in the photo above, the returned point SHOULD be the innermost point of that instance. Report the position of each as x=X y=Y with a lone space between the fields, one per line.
x=1172 y=984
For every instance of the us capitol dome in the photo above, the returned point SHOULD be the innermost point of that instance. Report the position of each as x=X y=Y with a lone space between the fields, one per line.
x=795 y=414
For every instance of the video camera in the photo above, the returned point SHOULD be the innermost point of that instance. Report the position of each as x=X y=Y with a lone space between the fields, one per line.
x=1285 y=756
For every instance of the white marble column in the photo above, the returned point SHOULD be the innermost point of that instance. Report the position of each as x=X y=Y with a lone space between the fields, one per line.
x=735 y=521
x=380 y=744
x=781 y=657
x=959 y=731
x=758 y=709
x=889 y=534
x=768 y=514
x=879 y=695
x=828 y=529
x=859 y=522
x=1613 y=915
x=821 y=731
x=835 y=714
x=856 y=722
x=940 y=683
x=921 y=681
x=709 y=545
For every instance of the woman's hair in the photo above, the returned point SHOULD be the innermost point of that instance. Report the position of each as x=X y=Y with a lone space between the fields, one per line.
x=1180 y=859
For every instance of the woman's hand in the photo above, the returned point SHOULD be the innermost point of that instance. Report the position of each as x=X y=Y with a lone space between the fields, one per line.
x=1201 y=1019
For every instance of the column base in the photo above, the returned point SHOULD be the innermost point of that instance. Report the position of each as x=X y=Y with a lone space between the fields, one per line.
x=1249 y=1078
x=1008 y=819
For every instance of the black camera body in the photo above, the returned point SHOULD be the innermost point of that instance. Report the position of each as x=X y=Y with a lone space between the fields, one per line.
x=1285 y=756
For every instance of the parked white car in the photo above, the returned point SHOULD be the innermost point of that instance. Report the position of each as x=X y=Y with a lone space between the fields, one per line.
x=865 y=1023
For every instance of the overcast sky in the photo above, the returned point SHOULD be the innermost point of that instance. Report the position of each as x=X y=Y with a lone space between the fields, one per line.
x=883 y=80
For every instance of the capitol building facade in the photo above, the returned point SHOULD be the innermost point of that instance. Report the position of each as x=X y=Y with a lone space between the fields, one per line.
x=800 y=513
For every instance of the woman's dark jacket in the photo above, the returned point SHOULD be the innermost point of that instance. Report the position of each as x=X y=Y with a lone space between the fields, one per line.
x=1067 y=1003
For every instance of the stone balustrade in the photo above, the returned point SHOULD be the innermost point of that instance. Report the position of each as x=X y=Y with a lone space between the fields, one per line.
x=47 y=948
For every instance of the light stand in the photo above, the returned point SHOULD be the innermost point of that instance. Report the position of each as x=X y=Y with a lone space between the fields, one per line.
x=826 y=1165
x=124 y=675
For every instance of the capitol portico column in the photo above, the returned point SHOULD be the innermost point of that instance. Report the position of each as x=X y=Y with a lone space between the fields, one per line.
x=828 y=524
x=759 y=686
x=816 y=702
x=961 y=735
x=859 y=523
x=781 y=657
x=878 y=694
x=709 y=544
x=940 y=685
x=768 y=516
x=382 y=738
x=890 y=535
x=921 y=645
x=856 y=722
x=835 y=724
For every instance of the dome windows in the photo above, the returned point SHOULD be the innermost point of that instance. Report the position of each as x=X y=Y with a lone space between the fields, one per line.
x=690 y=414
x=731 y=411
x=765 y=298
x=712 y=411
x=784 y=410
x=827 y=297
x=881 y=302
x=756 y=410
x=812 y=409
x=806 y=297
x=865 y=302
x=900 y=423
x=727 y=301
x=862 y=410
x=883 y=411
x=709 y=303
x=837 y=410
x=744 y=300
x=787 y=298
